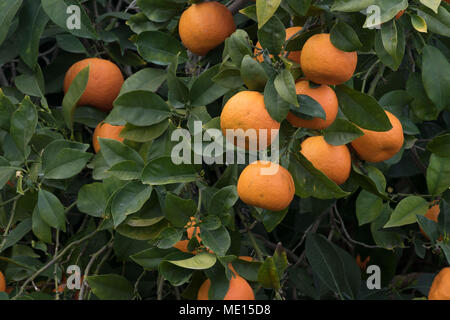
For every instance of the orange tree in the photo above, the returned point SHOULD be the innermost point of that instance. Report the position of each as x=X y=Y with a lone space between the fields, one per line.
x=359 y=91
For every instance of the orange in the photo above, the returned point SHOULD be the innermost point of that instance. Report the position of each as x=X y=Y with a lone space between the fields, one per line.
x=440 y=288
x=293 y=55
x=107 y=131
x=325 y=96
x=362 y=264
x=266 y=185
x=2 y=282
x=323 y=63
x=376 y=146
x=432 y=214
x=204 y=26
x=104 y=83
x=399 y=14
x=334 y=161
x=239 y=289
x=182 y=245
x=246 y=110
x=191 y=228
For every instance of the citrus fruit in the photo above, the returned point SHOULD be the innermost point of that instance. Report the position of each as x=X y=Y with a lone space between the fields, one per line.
x=325 y=96
x=104 y=83
x=377 y=146
x=323 y=63
x=334 y=161
x=432 y=214
x=2 y=282
x=182 y=245
x=239 y=289
x=266 y=185
x=107 y=131
x=204 y=26
x=440 y=288
x=293 y=55
x=246 y=111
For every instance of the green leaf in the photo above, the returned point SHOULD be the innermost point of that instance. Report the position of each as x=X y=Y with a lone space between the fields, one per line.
x=285 y=86
x=70 y=43
x=7 y=108
x=419 y=23
x=73 y=95
x=204 y=90
x=40 y=228
x=150 y=259
x=88 y=116
x=253 y=74
x=223 y=200
x=128 y=200
x=300 y=7
x=51 y=210
x=115 y=151
x=148 y=79
x=395 y=58
x=5 y=174
x=351 y=5
x=141 y=108
x=388 y=8
x=438 y=175
x=159 y=48
x=23 y=124
x=341 y=132
x=436 y=76
x=144 y=134
x=272 y=36
x=58 y=11
x=436 y=23
x=327 y=264
x=16 y=234
x=32 y=21
x=163 y=171
x=110 y=287
x=126 y=170
x=271 y=219
x=429 y=227
x=229 y=78
x=200 y=261
x=268 y=275
x=382 y=237
x=406 y=211
x=368 y=207
x=277 y=107
x=65 y=164
x=389 y=37
x=8 y=10
x=421 y=106
x=311 y=182
x=218 y=240
x=174 y=274
x=440 y=145
x=160 y=10
x=344 y=37
x=362 y=109
x=432 y=4
x=309 y=108
x=265 y=9
x=178 y=211
x=92 y=199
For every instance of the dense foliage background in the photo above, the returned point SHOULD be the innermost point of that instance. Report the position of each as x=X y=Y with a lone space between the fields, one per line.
x=117 y=214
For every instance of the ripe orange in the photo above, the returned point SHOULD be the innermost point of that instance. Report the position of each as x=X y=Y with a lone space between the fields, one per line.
x=104 y=84
x=246 y=110
x=266 y=185
x=2 y=282
x=204 y=26
x=107 y=131
x=182 y=245
x=334 y=161
x=325 y=96
x=323 y=63
x=239 y=289
x=440 y=288
x=432 y=214
x=376 y=146
x=293 y=55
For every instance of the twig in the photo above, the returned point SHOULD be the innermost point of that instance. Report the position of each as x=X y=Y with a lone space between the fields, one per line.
x=237 y=5
x=377 y=78
x=50 y=263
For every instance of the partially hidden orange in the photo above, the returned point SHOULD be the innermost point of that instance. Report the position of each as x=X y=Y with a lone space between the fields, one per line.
x=325 y=96
x=334 y=161
x=378 y=146
x=2 y=282
x=323 y=63
x=107 y=131
x=104 y=82
x=238 y=289
x=440 y=288
x=293 y=55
